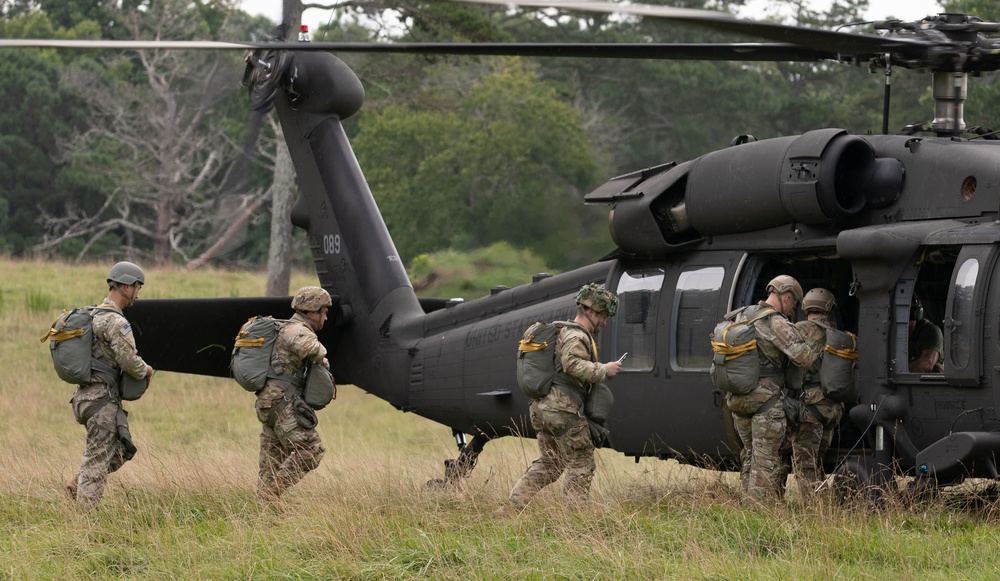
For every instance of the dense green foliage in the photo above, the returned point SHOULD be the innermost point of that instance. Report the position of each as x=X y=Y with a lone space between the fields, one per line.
x=502 y=166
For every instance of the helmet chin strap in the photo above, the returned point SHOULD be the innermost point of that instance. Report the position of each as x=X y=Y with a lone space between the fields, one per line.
x=130 y=298
x=593 y=323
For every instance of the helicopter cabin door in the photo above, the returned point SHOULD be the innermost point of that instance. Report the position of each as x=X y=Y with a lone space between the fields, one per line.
x=947 y=289
x=665 y=315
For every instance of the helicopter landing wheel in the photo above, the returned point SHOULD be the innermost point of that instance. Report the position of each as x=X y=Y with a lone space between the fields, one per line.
x=861 y=479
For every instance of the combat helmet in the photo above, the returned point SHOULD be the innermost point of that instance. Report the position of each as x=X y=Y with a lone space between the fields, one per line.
x=311 y=298
x=785 y=284
x=598 y=298
x=126 y=273
x=819 y=299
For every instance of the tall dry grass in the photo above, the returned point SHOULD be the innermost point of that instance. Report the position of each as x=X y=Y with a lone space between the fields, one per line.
x=184 y=508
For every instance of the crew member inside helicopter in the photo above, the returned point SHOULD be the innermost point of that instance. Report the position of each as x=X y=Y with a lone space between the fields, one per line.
x=926 y=350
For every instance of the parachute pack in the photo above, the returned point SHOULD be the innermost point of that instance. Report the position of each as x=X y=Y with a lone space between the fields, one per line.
x=735 y=360
x=71 y=344
x=251 y=360
x=251 y=363
x=536 y=358
x=838 y=371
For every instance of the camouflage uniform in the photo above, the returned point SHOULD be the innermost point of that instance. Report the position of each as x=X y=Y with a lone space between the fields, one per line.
x=759 y=417
x=288 y=448
x=97 y=406
x=812 y=437
x=563 y=433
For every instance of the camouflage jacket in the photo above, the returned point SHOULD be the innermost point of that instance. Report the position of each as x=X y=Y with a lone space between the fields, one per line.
x=114 y=340
x=578 y=356
x=781 y=343
x=296 y=343
x=814 y=337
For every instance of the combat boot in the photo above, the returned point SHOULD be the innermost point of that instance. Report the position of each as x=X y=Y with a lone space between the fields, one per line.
x=70 y=488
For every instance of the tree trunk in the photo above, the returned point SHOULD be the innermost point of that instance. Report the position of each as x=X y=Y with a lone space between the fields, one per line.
x=279 y=259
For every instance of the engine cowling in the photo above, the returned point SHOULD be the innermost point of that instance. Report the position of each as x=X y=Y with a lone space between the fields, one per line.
x=819 y=177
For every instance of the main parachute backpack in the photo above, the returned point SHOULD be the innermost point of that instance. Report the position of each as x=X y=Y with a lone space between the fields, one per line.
x=838 y=372
x=71 y=344
x=735 y=361
x=251 y=360
x=536 y=352
x=536 y=358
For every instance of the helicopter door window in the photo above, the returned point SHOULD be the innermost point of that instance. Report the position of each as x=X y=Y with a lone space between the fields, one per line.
x=696 y=301
x=959 y=327
x=634 y=329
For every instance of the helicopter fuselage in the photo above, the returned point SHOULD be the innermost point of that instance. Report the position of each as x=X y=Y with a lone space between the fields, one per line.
x=873 y=219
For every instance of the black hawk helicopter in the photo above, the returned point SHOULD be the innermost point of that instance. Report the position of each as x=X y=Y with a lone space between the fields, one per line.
x=876 y=219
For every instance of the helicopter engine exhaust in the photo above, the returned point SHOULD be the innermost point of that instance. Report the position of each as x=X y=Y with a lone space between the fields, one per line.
x=820 y=177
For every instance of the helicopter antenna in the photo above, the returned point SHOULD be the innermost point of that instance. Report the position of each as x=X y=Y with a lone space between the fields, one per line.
x=886 y=94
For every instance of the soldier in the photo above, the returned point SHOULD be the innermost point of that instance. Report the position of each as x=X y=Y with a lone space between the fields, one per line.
x=97 y=405
x=926 y=342
x=812 y=437
x=289 y=444
x=562 y=430
x=759 y=416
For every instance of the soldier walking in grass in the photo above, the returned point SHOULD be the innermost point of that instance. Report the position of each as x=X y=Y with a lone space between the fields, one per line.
x=97 y=405
x=812 y=437
x=289 y=444
x=759 y=416
x=564 y=436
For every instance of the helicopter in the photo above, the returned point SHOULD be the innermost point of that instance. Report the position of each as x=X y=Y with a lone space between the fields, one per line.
x=875 y=219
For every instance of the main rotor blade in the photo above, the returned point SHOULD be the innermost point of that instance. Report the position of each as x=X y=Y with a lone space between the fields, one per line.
x=672 y=51
x=829 y=41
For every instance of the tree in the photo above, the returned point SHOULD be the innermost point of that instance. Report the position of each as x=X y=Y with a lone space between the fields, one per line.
x=155 y=149
x=38 y=114
x=496 y=160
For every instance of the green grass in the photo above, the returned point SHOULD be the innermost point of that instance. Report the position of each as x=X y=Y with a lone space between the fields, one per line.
x=184 y=508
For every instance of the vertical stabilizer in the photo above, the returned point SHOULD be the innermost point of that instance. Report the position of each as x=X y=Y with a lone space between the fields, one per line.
x=354 y=255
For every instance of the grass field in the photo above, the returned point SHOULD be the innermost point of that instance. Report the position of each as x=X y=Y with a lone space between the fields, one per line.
x=185 y=509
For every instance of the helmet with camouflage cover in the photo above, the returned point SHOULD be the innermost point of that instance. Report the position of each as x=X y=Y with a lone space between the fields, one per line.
x=785 y=284
x=311 y=298
x=598 y=298
x=819 y=299
x=126 y=273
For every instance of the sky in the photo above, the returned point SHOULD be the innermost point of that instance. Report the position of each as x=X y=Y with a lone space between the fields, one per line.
x=878 y=10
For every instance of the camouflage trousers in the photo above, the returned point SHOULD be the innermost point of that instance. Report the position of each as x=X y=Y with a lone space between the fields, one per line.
x=104 y=452
x=288 y=450
x=564 y=445
x=761 y=428
x=810 y=440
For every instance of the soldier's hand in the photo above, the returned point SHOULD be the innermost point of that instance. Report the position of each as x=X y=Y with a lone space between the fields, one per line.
x=613 y=368
x=149 y=372
x=325 y=363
